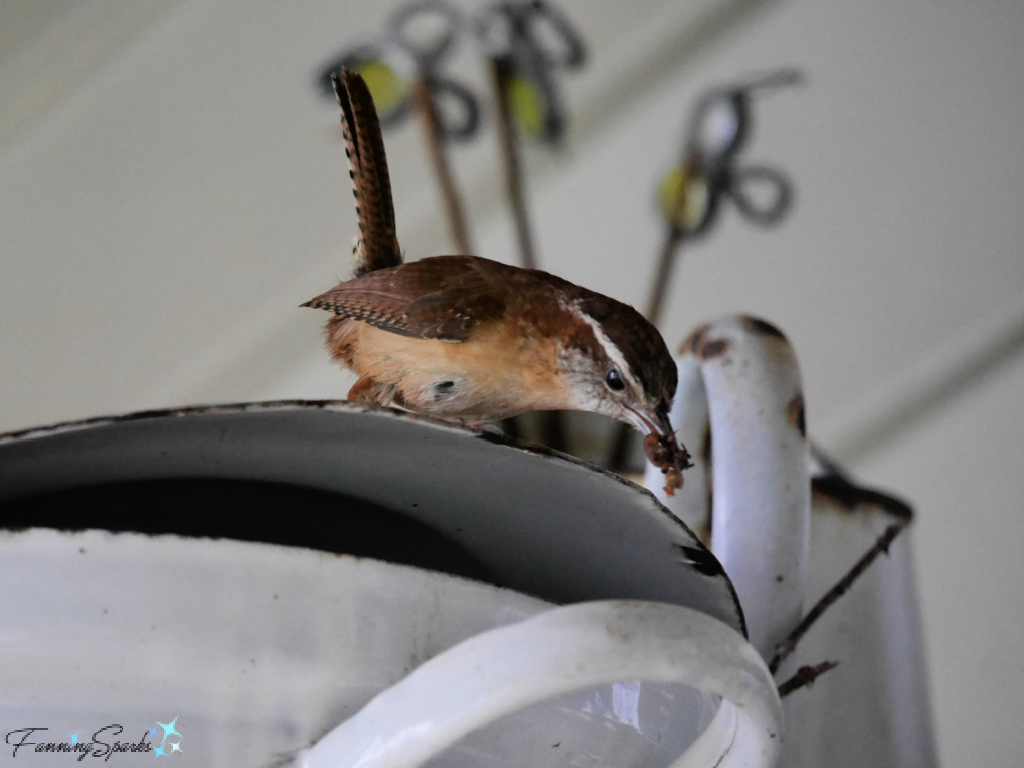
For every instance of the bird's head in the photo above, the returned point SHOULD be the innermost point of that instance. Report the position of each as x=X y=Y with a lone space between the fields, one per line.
x=617 y=363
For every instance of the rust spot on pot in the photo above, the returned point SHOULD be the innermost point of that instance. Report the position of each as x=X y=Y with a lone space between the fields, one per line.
x=699 y=344
x=694 y=340
x=714 y=348
x=853 y=498
x=705 y=443
x=795 y=413
x=761 y=327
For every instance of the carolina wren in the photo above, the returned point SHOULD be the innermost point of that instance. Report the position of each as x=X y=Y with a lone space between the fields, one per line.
x=466 y=337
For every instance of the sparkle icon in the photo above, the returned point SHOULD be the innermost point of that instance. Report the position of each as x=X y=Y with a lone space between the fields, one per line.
x=159 y=752
x=74 y=738
x=175 y=746
x=168 y=730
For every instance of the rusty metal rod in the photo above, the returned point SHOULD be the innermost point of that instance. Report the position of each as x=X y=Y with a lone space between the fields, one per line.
x=669 y=255
x=805 y=677
x=786 y=647
x=438 y=152
x=500 y=73
x=551 y=423
x=674 y=234
x=624 y=435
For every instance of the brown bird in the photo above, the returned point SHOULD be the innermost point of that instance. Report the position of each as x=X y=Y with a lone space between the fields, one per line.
x=469 y=338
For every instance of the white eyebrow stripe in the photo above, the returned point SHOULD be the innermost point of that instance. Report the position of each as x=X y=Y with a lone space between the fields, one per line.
x=610 y=349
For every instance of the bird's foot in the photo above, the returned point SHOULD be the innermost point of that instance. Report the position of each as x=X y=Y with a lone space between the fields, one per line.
x=482 y=426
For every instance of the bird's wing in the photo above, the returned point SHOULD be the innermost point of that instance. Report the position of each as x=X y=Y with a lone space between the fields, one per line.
x=437 y=298
x=368 y=168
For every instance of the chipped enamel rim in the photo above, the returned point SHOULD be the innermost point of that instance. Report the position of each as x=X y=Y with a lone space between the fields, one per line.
x=679 y=537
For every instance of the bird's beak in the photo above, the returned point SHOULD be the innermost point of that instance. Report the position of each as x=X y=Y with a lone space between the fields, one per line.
x=651 y=422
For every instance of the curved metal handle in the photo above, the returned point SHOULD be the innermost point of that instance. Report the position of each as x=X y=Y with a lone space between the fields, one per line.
x=742 y=375
x=499 y=672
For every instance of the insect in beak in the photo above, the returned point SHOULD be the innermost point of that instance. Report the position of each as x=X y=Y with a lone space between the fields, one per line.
x=661 y=446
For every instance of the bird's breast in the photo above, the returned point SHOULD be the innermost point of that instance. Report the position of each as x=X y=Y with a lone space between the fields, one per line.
x=503 y=369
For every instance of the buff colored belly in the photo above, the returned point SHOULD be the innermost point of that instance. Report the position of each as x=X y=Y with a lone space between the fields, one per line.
x=491 y=376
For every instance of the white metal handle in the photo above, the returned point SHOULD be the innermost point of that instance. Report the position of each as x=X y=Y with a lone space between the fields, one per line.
x=740 y=377
x=501 y=671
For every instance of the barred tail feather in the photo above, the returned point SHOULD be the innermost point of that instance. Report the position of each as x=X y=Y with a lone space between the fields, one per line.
x=368 y=168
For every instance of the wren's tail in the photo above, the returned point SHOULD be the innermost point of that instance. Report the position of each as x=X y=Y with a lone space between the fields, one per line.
x=364 y=146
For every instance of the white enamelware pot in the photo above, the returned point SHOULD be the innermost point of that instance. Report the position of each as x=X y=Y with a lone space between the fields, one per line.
x=255 y=651
x=272 y=655
x=363 y=480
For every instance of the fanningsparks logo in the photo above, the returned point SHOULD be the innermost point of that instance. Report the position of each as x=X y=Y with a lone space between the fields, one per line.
x=103 y=743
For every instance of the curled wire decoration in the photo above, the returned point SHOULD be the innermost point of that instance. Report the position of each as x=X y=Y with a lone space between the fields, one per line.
x=529 y=42
x=719 y=129
x=419 y=36
x=709 y=171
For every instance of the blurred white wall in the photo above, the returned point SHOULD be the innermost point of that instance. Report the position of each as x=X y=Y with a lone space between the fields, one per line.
x=181 y=189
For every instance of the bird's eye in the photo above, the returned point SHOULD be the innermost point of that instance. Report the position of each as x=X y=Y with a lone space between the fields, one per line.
x=614 y=380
